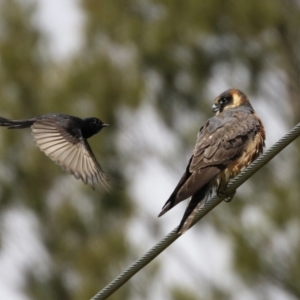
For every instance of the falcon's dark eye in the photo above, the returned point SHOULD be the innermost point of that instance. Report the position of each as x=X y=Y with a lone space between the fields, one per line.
x=224 y=100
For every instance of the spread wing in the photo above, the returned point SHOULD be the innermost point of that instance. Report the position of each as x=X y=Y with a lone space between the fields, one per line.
x=220 y=141
x=71 y=152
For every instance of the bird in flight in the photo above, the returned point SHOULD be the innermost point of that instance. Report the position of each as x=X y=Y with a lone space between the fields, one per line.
x=64 y=139
x=226 y=144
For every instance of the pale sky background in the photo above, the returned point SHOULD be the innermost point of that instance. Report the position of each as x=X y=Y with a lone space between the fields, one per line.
x=200 y=251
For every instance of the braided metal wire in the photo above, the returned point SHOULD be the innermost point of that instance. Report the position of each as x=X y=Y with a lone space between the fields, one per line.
x=208 y=206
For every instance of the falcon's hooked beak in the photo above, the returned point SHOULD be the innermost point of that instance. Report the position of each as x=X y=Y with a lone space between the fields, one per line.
x=215 y=108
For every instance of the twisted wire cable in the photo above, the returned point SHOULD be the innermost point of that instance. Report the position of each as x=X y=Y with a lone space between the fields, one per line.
x=121 y=279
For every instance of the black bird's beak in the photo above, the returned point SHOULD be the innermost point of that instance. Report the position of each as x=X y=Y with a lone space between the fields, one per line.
x=105 y=125
x=215 y=108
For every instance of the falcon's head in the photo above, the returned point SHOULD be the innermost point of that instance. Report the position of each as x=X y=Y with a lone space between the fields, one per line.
x=229 y=99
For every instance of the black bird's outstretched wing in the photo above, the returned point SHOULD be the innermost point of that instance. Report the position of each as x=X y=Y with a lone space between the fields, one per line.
x=71 y=151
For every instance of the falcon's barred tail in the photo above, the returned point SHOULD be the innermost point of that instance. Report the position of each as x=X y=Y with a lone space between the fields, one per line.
x=12 y=124
x=192 y=208
x=173 y=200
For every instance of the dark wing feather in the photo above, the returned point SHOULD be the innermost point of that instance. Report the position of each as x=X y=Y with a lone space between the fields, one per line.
x=170 y=203
x=220 y=141
x=71 y=152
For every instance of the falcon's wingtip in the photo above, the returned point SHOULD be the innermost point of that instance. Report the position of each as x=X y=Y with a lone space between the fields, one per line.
x=165 y=208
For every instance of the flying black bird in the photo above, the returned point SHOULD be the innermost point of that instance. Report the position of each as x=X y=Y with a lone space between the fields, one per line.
x=64 y=139
x=226 y=144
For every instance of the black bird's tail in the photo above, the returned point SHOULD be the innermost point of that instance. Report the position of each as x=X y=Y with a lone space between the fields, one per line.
x=192 y=208
x=13 y=124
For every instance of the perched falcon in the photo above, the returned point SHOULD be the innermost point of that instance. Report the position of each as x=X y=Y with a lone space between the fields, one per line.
x=64 y=139
x=226 y=144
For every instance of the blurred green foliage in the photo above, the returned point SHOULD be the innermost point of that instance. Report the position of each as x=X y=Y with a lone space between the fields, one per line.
x=183 y=44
